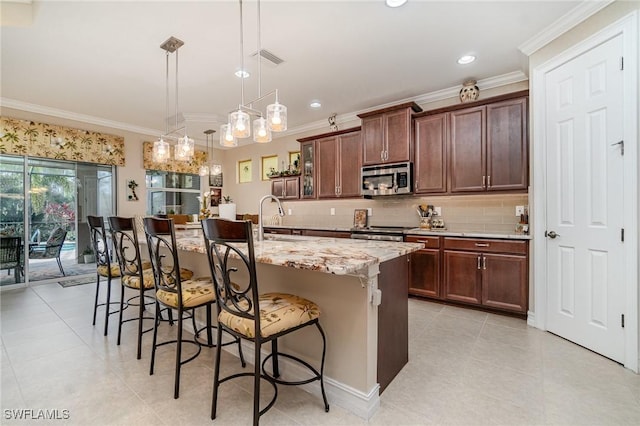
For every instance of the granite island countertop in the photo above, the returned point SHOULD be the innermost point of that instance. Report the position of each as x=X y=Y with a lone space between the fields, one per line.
x=339 y=256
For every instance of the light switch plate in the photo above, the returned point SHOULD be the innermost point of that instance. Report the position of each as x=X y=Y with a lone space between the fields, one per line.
x=289 y=212
x=519 y=210
x=438 y=211
x=369 y=211
x=333 y=211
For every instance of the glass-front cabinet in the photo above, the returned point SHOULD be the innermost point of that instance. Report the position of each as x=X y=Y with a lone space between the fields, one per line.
x=307 y=152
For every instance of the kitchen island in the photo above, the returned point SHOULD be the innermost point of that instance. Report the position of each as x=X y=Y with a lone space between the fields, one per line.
x=361 y=288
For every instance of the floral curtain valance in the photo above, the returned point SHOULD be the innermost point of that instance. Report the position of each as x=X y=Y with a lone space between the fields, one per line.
x=24 y=137
x=191 y=167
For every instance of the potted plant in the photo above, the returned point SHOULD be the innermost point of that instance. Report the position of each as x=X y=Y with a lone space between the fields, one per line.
x=88 y=255
x=227 y=210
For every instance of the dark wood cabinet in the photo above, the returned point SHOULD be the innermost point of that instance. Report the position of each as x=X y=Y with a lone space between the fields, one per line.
x=331 y=164
x=424 y=267
x=507 y=148
x=488 y=147
x=467 y=148
x=338 y=163
x=308 y=176
x=487 y=272
x=430 y=164
x=286 y=187
x=386 y=134
x=328 y=234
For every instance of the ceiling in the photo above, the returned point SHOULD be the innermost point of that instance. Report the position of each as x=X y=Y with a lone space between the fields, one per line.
x=102 y=61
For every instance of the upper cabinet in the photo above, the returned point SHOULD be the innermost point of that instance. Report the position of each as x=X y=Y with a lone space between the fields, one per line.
x=331 y=164
x=308 y=173
x=430 y=166
x=478 y=147
x=386 y=134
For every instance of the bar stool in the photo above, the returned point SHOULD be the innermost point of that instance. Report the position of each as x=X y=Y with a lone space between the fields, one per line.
x=278 y=313
x=173 y=291
x=104 y=267
x=136 y=274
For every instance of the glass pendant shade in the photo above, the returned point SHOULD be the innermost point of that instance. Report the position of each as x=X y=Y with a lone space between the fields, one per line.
x=261 y=131
x=161 y=151
x=216 y=169
x=277 y=117
x=184 y=149
x=240 y=124
x=203 y=170
x=226 y=137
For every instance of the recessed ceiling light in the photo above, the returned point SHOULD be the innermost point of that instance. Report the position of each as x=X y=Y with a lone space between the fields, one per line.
x=395 y=3
x=242 y=74
x=466 y=59
x=315 y=104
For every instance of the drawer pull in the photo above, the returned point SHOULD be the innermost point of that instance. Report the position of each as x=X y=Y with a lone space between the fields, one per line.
x=482 y=244
x=422 y=241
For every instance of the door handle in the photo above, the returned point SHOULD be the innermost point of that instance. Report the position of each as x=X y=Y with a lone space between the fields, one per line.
x=479 y=262
x=484 y=262
x=551 y=234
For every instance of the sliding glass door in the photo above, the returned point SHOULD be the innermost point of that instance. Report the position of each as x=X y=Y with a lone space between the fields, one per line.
x=46 y=203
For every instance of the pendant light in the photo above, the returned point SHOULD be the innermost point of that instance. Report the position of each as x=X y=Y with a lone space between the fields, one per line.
x=205 y=170
x=261 y=130
x=185 y=148
x=239 y=125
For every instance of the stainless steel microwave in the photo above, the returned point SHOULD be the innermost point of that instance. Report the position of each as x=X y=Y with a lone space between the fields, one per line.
x=387 y=179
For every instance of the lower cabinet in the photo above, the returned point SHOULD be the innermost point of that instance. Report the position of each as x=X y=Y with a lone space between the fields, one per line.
x=424 y=267
x=482 y=272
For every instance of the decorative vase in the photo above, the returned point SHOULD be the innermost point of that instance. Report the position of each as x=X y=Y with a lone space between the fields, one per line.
x=469 y=91
x=227 y=211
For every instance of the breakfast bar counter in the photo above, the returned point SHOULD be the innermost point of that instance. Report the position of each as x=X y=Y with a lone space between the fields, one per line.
x=361 y=288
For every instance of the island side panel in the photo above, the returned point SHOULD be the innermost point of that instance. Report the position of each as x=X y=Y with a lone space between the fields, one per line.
x=393 y=320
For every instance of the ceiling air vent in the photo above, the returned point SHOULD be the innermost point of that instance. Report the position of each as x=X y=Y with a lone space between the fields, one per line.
x=268 y=56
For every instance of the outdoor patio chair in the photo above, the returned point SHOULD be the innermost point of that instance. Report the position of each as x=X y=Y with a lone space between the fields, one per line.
x=51 y=249
x=10 y=255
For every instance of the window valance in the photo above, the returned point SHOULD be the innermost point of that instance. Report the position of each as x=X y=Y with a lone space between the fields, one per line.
x=24 y=137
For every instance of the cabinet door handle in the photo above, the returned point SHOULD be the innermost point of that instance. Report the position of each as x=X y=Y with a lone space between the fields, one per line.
x=382 y=155
x=416 y=185
x=482 y=244
x=489 y=181
x=484 y=179
x=386 y=155
x=478 y=262
x=484 y=262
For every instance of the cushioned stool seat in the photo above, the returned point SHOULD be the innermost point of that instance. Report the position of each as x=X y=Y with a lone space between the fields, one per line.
x=103 y=271
x=133 y=281
x=194 y=293
x=278 y=312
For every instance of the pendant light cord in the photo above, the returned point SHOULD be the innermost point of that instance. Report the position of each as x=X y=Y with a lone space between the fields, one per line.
x=259 y=56
x=241 y=57
x=166 y=95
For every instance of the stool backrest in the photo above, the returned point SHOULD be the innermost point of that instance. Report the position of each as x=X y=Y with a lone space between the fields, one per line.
x=99 y=241
x=236 y=283
x=163 y=253
x=10 y=250
x=125 y=245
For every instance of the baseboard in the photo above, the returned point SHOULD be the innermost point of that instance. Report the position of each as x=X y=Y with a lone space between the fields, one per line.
x=361 y=404
x=531 y=319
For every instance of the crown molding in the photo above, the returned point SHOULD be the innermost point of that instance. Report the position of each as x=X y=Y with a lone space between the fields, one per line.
x=59 y=113
x=451 y=92
x=563 y=24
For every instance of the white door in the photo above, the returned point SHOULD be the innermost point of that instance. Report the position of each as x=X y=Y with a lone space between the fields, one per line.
x=585 y=251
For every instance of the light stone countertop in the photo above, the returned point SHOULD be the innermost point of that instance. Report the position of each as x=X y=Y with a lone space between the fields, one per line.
x=419 y=231
x=339 y=256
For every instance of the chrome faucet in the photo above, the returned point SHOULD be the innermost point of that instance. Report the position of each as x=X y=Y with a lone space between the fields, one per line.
x=280 y=212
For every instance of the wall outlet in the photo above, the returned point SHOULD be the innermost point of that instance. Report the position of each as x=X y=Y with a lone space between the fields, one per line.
x=333 y=211
x=289 y=212
x=519 y=210
x=437 y=211
x=369 y=211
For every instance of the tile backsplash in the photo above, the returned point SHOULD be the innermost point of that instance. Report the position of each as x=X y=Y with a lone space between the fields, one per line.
x=461 y=213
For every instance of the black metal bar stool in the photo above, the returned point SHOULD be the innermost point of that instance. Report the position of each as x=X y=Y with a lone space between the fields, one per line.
x=136 y=274
x=104 y=267
x=173 y=291
x=247 y=314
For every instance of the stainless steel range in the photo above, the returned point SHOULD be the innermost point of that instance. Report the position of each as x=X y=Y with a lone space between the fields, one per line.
x=380 y=233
